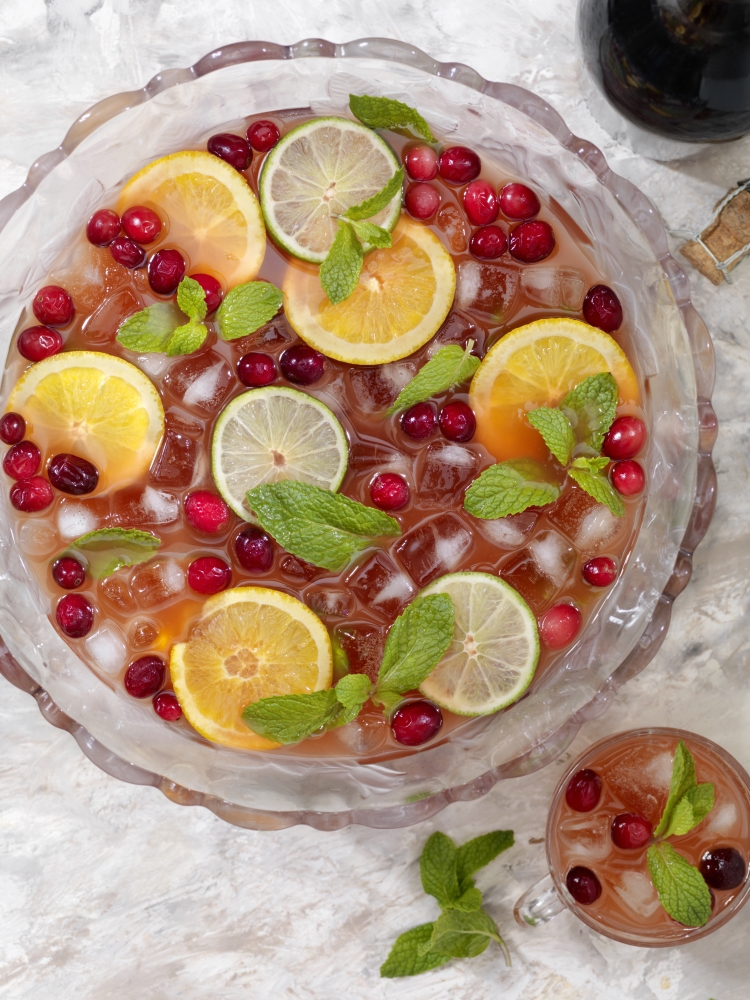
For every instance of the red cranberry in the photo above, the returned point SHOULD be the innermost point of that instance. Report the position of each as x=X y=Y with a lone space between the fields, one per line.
x=457 y=421
x=68 y=573
x=421 y=163
x=144 y=676
x=209 y=575
x=302 y=365
x=488 y=243
x=167 y=706
x=103 y=227
x=389 y=491
x=416 y=722
x=232 y=148
x=126 y=252
x=422 y=200
x=73 y=474
x=22 y=461
x=206 y=511
x=583 y=885
x=602 y=308
x=75 y=615
x=628 y=478
x=419 y=421
x=630 y=832
x=256 y=369
x=560 y=625
x=53 y=306
x=263 y=135
x=212 y=287
x=31 y=495
x=459 y=165
x=39 y=342
x=625 y=438
x=723 y=868
x=12 y=428
x=254 y=549
x=601 y=571
x=518 y=202
x=141 y=224
x=584 y=790
x=532 y=241
x=166 y=269
x=480 y=203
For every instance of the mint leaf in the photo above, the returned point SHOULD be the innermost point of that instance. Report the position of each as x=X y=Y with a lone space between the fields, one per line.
x=406 y=957
x=692 y=809
x=186 y=339
x=323 y=528
x=289 y=718
x=369 y=233
x=352 y=691
x=339 y=272
x=382 y=112
x=477 y=853
x=468 y=901
x=585 y=472
x=371 y=206
x=416 y=643
x=450 y=367
x=683 y=777
x=191 y=298
x=463 y=935
x=681 y=889
x=509 y=488
x=437 y=867
x=246 y=308
x=108 y=549
x=555 y=428
x=591 y=408
x=149 y=330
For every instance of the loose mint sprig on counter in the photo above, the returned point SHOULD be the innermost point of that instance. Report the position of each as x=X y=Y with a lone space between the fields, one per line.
x=450 y=366
x=383 y=112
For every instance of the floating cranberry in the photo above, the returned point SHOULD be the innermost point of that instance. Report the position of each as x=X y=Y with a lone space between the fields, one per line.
x=488 y=243
x=12 y=428
x=480 y=203
x=583 y=885
x=53 y=306
x=389 y=491
x=584 y=790
x=263 y=135
x=256 y=369
x=723 y=868
x=231 y=148
x=601 y=571
x=209 y=575
x=422 y=200
x=73 y=474
x=518 y=202
x=302 y=365
x=630 y=832
x=167 y=707
x=144 y=676
x=212 y=287
x=416 y=722
x=602 y=308
x=31 y=495
x=75 y=615
x=36 y=343
x=625 y=438
x=459 y=165
x=560 y=625
x=126 y=252
x=628 y=478
x=141 y=224
x=166 y=269
x=457 y=421
x=206 y=511
x=421 y=163
x=254 y=549
x=103 y=227
x=419 y=421
x=68 y=573
x=532 y=241
x=22 y=461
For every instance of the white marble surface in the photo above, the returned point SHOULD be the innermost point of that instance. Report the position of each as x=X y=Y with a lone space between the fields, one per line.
x=110 y=891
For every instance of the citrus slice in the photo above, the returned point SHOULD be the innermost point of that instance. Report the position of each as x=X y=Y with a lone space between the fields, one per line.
x=93 y=405
x=214 y=217
x=251 y=643
x=273 y=433
x=536 y=365
x=318 y=171
x=495 y=648
x=403 y=295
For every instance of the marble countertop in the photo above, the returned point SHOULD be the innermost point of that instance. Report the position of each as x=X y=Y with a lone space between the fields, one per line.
x=111 y=891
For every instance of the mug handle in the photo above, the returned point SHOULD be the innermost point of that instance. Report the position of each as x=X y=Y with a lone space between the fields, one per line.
x=540 y=903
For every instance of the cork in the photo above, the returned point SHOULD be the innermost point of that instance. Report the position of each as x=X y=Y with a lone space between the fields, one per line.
x=728 y=233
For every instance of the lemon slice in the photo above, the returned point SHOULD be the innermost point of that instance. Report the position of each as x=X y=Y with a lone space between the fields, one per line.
x=96 y=406
x=403 y=295
x=214 y=217
x=536 y=365
x=251 y=643
x=495 y=647
x=318 y=171
x=273 y=433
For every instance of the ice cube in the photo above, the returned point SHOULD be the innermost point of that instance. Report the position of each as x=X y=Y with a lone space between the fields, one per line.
x=540 y=570
x=364 y=735
x=508 y=532
x=489 y=289
x=329 y=602
x=153 y=365
x=363 y=645
x=637 y=892
x=100 y=329
x=175 y=463
x=157 y=581
x=136 y=507
x=433 y=548
x=457 y=329
x=92 y=274
x=447 y=469
x=115 y=591
x=366 y=454
x=453 y=223
x=143 y=633
x=374 y=389
x=298 y=569
x=558 y=288
x=107 y=648
x=75 y=518
x=274 y=335
x=589 y=524
x=201 y=382
x=382 y=586
x=37 y=538
x=723 y=820
x=586 y=837
x=640 y=780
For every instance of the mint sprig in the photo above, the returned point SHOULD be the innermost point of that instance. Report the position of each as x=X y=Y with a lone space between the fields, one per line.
x=371 y=206
x=108 y=549
x=246 y=308
x=157 y=328
x=591 y=407
x=587 y=473
x=339 y=272
x=451 y=366
x=555 y=428
x=191 y=298
x=368 y=232
x=382 y=112
x=509 y=488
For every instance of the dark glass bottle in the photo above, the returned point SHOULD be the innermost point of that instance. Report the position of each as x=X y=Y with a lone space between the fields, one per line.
x=680 y=68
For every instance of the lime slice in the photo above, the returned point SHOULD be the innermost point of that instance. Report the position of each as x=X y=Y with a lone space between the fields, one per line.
x=495 y=647
x=318 y=171
x=272 y=433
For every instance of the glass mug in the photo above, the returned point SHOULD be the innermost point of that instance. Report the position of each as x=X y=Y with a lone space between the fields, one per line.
x=635 y=768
